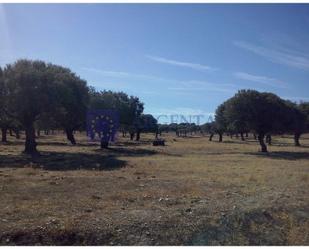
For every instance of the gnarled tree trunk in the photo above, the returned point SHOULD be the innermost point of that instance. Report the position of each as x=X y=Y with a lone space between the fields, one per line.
x=30 y=144
x=70 y=136
x=131 y=135
x=17 y=133
x=242 y=136
x=296 y=139
x=210 y=137
x=138 y=135
x=261 y=141
x=268 y=139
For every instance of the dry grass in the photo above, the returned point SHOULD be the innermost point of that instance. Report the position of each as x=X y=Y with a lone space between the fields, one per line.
x=191 y=191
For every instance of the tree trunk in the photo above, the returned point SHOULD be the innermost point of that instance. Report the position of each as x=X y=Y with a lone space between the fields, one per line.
x=247 y=135
x=11 y=133
x=70 y=136
x=220 y=137
x=30 y=144
x=296 y=139
x=242 y=136
x=17 y=133
x=131 y=135
x=38 y=133
x=254 y=135
x=4 y=131
x=138 y=135
x=210 y=137
x=263 y=145
x=268 y=139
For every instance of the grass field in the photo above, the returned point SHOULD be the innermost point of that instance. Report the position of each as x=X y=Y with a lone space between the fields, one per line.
x=190 y=192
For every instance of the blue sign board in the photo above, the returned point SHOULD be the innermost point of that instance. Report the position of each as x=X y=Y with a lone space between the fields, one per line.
x=102 y=124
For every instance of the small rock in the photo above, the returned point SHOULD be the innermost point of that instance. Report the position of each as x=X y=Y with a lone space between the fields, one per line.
x=96 y=197
x=188 y=210
x=53 y=221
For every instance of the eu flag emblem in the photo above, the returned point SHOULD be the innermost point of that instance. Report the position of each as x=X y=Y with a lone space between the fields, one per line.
x=102 y=124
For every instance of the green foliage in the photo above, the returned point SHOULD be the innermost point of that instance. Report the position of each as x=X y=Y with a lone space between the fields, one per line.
x=296 y=118
x=72 y=98
x=147 y=123
x=30 y=90
x=220 y=124
x=304 y=108
x=260 y=112
x=129 y=107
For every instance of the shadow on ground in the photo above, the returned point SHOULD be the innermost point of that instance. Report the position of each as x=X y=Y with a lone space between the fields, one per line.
x=64 y=161
x=239 y=142
x=121 y=151
x=285 y=155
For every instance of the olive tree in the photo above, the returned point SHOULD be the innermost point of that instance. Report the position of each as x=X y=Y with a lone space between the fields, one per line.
x=220 y=125
x=31 y=93
x=298 y=120
x=262 y=113
x=129 y=107
x=146 y=123
x=72 y=100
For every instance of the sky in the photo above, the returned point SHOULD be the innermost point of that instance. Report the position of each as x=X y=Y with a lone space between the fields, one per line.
x=179 y=59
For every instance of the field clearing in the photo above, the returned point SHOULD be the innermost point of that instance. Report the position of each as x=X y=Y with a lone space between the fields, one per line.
x=191 y=192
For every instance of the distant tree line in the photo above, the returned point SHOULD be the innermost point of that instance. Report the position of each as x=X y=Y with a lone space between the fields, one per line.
x=262 y=114
x=37 y=96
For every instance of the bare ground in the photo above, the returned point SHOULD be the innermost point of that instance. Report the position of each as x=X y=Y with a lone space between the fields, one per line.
x=190 y=192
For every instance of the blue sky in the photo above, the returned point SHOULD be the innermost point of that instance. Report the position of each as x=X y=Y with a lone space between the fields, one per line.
x=178 y=58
